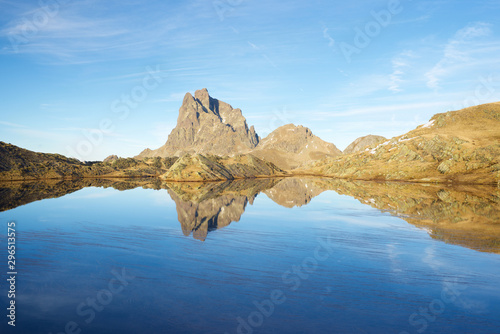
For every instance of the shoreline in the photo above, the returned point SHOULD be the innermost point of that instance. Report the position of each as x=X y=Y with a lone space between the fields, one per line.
x=449 y=182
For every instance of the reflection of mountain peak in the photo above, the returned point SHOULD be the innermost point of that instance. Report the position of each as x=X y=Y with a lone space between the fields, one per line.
x=205 y=207
x=465 y=215
x=291 y=192
x=208 y=215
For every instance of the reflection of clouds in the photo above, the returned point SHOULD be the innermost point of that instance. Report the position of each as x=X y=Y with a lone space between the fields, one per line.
x=431 y=259
x=393 y=255
x=448 y=282
x=92 y=195
x=372 y=223
x=49 y=302
x=162 y=199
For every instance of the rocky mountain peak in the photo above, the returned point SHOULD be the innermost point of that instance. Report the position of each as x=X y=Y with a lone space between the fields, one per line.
x=290 y=146
x=204 y=98
x=209 y=126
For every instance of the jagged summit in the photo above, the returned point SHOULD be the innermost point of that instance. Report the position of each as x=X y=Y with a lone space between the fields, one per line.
x=209 y=126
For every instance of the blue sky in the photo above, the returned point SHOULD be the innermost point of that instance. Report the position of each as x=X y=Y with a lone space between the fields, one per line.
x=89 y=78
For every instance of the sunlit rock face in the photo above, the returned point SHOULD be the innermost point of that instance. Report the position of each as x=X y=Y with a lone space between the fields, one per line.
x=291 y=146
x=208 y=126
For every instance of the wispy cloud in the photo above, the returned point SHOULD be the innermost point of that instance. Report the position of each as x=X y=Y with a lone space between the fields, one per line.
x=76 y=34
x=457 y=52
x=172 y=97
x=12 y=125
x=38 y=134
x=383 y=109
x=412 y=20
x=399 y=65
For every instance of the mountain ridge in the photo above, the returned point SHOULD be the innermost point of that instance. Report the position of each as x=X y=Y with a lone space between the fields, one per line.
x=461 y=146
x=206 y=125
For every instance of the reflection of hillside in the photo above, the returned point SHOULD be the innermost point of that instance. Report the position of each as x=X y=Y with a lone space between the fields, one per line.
x=14 y=194
x=468 y=216
x=465 y=215
x=291 y=192
x=204 y=207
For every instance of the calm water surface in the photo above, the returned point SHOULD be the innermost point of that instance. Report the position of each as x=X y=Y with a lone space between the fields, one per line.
x=295 y=256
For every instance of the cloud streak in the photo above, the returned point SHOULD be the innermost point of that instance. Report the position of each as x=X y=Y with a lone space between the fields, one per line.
x=457 y=52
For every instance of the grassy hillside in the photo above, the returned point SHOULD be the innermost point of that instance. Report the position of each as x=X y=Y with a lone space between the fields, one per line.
x=459 y=146
x=20 y=164
x=198 y=167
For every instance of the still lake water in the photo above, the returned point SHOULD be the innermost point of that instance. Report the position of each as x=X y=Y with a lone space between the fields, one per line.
x=269 y=256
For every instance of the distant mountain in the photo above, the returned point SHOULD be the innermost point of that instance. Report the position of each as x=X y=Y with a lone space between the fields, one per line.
x=208 y=126
x=457 y=146
x=290 y=146
x=214 y=143
x=363 y=142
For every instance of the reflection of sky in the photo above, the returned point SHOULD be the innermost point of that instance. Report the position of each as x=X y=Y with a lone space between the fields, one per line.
x=381 y=269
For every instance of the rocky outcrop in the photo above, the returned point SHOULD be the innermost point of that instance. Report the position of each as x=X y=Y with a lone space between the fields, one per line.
x=459 y=146
x=363 y=142
x=290 y=146
x=111 y=158
x=208 y=126
x=211 y=127
x=198 y=167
